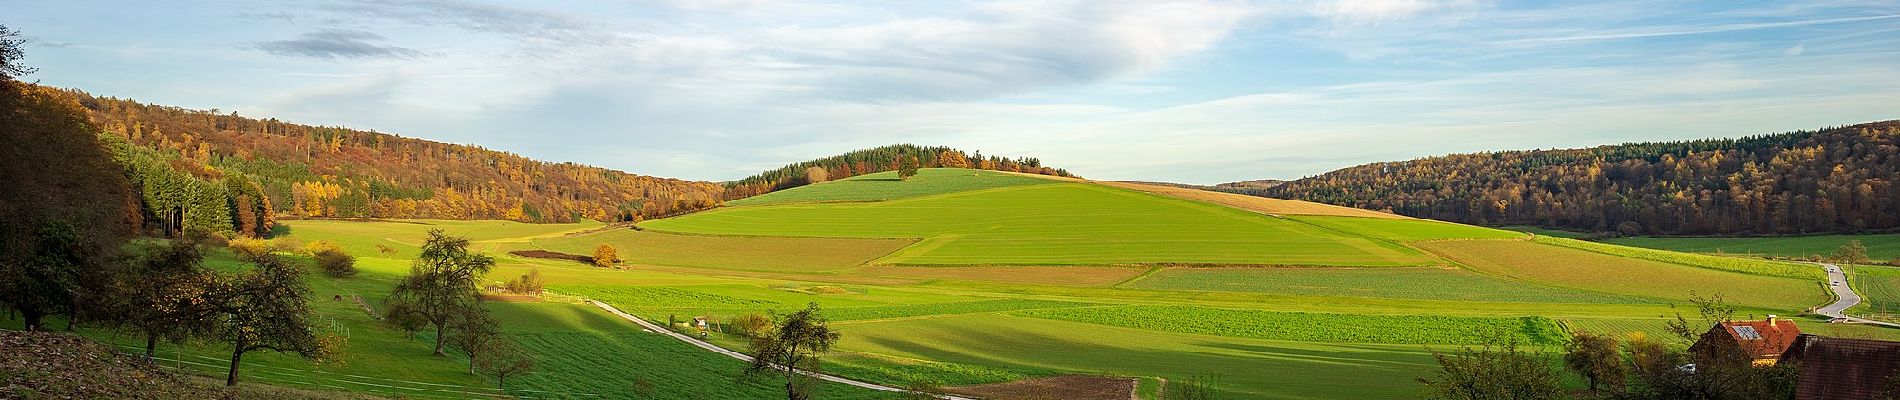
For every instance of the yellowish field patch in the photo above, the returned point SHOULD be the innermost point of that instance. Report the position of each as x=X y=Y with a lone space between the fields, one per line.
x=1579 y=269
x=1253 y=203
x=1038 y=275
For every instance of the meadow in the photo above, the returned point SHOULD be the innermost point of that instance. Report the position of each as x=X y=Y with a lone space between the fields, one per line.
x=885 y=186
x=1879 y=247
x=1599 y=272
x=988 y=283
x=1734 y=264
x=1057 y=224
x=1398 y=283
x=1879 y=288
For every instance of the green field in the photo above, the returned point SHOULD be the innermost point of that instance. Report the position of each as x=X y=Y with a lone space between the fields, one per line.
x=1879 y=288
x=1398 y=283
x=1541 y=231
x=1060 y=224
x=975 y=283
x=1733 y=264
x=885 y=186
x=1879 y=247
x=1599 y=272
x=815 y=255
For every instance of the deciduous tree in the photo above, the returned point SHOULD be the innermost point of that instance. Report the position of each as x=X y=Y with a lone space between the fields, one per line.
x=441 y=285
x=794 y=344
x=504 y=359
x=1494 y=372
x=169 y=295
x=606 y=255
x=265 y=309
x=906 y=166
x=1596 y=359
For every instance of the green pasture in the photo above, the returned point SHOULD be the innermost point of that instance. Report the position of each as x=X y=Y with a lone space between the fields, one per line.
x=1315 y=327
x=781 y=254
x=1542 y=231
x=1399 y=283
x=1592 y=271
x=1879 y=247
x=1406 y=230
x=1062 y=223
x=885 y=186
x=1734 y=264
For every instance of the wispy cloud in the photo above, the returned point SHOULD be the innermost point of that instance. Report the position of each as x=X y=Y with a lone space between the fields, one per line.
x=337 y=43
x=1698 y=30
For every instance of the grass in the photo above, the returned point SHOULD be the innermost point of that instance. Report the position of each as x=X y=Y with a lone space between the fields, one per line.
x=1879 y=288
x=1315 y=327
x=1879 y=247
x=1264 y=205
x=404 y=237
x=1035 y=275
x=883 y=186
x=1247 y=368
x=1586 y=270
x=1542 y=231
x=814 y=255
x=967 y=307
x=1734 y=264
x=1406 y=230
x=1399 y=283
x=1059 y=224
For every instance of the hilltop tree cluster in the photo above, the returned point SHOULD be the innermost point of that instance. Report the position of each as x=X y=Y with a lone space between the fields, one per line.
x=1832 y=180
x=879 y=159
x=207 y=168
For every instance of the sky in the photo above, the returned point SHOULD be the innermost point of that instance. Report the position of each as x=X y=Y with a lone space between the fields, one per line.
x=1184 y=91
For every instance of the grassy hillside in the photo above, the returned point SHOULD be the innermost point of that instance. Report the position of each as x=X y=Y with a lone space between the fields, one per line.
x=1063 y=223
x=885 y=186
x=1879 y=247
x=1250 y=203
x=1586 y=270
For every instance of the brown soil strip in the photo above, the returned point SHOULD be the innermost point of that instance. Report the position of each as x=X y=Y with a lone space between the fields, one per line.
x=1067 y=387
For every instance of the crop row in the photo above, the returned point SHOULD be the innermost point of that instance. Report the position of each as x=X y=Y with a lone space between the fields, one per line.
x=1733 y=264
x=1316 y=327
x=858 y=313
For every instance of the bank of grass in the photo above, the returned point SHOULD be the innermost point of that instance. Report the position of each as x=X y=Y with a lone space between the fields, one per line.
x=883 y=186
x=1734 y=264
x=1057 y=224
x=1879 y=247
x=1316 y=327
x=756 y=253
x=400 y=239
x=1594 y=271
x=1406 y=230
x=1399 y=283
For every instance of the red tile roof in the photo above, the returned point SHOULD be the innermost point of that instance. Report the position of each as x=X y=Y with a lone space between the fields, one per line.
x=1843 y=369
x=1769 y=340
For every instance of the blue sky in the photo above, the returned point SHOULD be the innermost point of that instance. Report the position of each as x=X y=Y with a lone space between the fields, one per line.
x=1199 y=92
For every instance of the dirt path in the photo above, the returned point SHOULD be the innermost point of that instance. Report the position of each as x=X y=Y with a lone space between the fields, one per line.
x=742 y=357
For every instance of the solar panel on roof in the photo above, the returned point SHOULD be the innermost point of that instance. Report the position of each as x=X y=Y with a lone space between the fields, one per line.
x=1747 y=333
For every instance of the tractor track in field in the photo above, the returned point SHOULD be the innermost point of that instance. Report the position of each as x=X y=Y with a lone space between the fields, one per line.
x=743 y=357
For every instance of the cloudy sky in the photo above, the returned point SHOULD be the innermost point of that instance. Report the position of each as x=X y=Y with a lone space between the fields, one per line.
x=1199 y=92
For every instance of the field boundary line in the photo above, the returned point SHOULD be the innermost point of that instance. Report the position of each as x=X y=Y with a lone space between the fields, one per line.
x=1144 y=275
x=743 y=357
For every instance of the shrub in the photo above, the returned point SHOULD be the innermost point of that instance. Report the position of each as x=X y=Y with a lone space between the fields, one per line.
x=606 y=256
x=249 y=248
x=751 y=325
x=335 y=262
x=1853 y=252
x=528 y=283
x=1894 y=262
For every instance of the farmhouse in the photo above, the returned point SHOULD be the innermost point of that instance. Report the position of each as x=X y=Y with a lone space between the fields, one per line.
x=1841 y=368
x=1760 y=342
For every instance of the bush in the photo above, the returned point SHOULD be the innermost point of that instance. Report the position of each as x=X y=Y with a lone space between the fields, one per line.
x=249 y=248
x=529 y=283
x=335 y=262
x=606 y=256
x=751 y=325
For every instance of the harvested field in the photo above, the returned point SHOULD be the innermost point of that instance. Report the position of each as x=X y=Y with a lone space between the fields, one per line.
x=1258 y=204
x=1077 y=387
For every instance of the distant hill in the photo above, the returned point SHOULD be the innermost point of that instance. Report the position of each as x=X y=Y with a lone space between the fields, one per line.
x=192 y=160
x=1831 y=180
x=879 y=159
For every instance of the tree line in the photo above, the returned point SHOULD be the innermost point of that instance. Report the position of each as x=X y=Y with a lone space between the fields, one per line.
x=302 y=171
x=1829 y=180
x=880 y=159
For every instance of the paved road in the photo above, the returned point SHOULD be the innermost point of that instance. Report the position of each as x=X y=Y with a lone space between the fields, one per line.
x=743 y=357
x=1837 y=279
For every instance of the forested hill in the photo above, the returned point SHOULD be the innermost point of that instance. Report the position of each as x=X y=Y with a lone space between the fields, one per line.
x=179 y=157
x=1831 y=180
x=878 y=159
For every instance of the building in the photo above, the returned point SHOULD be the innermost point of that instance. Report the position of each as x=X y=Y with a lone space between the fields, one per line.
x=1760 y=342
x=1844 y=369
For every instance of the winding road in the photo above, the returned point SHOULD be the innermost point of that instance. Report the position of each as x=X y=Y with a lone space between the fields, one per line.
x=743 y=357
x=1837 y=279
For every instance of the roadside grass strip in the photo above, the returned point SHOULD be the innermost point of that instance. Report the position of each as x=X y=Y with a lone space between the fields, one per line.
x=1316 y=327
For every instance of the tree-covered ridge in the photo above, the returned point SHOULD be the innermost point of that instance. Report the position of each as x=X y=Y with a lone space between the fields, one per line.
x=305 y=171
x=1830 y=180
x=878 y=159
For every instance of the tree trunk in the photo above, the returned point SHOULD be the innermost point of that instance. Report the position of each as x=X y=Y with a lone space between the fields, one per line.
x=230 y=378
x=471 y=363
x=72 y=320
x=151 y=346
x=34 y=320
x=440 y=336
